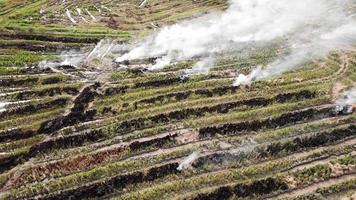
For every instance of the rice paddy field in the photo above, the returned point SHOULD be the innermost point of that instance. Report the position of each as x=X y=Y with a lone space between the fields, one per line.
x=100 y=131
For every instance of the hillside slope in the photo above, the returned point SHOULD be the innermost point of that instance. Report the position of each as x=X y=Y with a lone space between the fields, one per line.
x=76 y=125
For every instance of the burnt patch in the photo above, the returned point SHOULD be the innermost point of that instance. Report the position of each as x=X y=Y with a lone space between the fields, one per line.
x=219 y=158
x=28 y=109
x=60 y=122
x=65 y=142
x=54 y=143
x=159 y=99
x=100 y=189
x=160 y=83
x=51 y=80
x=216 y=91
x=133 y=124
x=108 y=110
x=97 y=189
x=161 y=171
x=221 y=193
x=15 y=134
x=50 y=38
x=255 y=125
x=85 y=97
x=111 y=91
x=11 y=82
x=36 y=70
x=220 y=91
x=316 y=140
x=77 y=113
x=46 y=92
x=68 y=68
x=260 y=187
x=39 y=47
x=304 y=94
x=157 y=142
x=139 y=123
x=67 y=166
x=189 y=112
x=7 y=163
x=278 y=148
x=84 y=161
x=242 y=190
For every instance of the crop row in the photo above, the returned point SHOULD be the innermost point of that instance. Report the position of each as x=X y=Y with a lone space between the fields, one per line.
x=139 y=123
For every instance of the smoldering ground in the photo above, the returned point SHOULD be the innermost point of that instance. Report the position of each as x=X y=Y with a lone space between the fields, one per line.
x=98 y=57
x=346 y=102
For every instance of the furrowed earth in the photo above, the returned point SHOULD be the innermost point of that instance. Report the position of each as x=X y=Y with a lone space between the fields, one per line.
x=97 y=130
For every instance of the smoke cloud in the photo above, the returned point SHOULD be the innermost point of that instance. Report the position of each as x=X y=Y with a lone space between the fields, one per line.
x=3 y=106
x=72 y=58
x=201 y=67
x=188 y=161
x=346 y=102
x=76 y=58
x=247 y=146
x=99 y=56
x=348 y=98
x=102 y=49
x=309 y=28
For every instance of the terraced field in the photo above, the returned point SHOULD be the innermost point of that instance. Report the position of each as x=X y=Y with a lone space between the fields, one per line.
x=93 y=130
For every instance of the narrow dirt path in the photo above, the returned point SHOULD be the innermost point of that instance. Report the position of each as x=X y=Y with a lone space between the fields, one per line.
x=336 y=90
x=312 y=188
x=319 y=162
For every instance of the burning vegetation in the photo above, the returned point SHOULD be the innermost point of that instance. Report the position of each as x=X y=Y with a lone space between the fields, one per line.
x=216 y=99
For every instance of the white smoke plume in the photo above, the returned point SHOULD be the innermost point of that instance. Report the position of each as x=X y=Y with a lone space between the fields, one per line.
x=102 y=49
x=346 y=102
x=3 y=106
x=316 y=44
x=201 y=67
x=311 y=28
x=246 y=146
x=101 y=53
x=188 y=161
x=160 y=63
x=348 y=98
x=70 y=58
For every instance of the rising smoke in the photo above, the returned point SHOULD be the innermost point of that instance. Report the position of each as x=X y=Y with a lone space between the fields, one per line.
x=346 y=102
x=99 y=55
x=188 y=161
x=311 y=28
x=201 y=67
x=102 y=49
x=70 y=58
x=247 y=146
x=76 y=58
x=3 y=106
